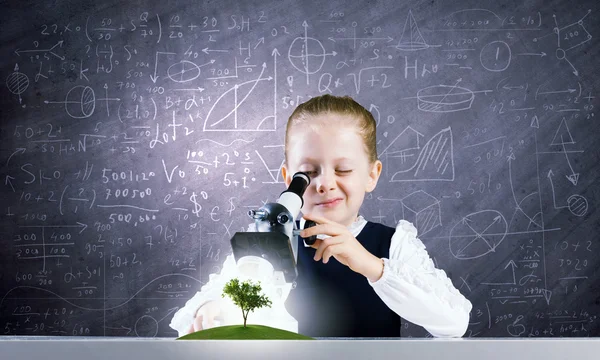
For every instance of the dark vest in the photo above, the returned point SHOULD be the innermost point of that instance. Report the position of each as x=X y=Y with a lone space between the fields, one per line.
x=330 y=300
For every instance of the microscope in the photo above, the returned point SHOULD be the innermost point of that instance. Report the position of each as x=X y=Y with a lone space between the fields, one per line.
x=275 y=237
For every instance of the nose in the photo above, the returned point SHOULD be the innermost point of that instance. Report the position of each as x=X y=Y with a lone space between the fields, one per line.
x=325 y=182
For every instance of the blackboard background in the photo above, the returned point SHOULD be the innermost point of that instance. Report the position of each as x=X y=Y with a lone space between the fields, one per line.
x=486 y=128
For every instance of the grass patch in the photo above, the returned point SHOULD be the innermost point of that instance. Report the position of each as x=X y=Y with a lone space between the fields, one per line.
x=239 y=332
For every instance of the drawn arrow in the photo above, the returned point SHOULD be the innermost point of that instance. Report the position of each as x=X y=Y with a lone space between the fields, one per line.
x=513 y=267
x=206 y=50
x=382 y=199
x=8 y=182
x=478 y=235
x=154 y=78
x=509 y=159
x=275 y=53
x=549 y=176
x=512 y=264
x=542 y=54
x=60 y=43
x=201 y=89
x=19 y=150
x=547 y=295
x=81 y=225
x=559 y=91
x=573 y=177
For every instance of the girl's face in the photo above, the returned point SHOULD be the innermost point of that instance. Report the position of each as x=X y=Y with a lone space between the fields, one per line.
x=333 y=155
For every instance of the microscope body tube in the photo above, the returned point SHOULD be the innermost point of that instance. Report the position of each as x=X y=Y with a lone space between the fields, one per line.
x=292 y=197
x=291 y=202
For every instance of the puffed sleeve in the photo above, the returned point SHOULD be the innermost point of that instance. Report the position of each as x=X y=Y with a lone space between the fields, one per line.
x=211 y=291
x=413 y=288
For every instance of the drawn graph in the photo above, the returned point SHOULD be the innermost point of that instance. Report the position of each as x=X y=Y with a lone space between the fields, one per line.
x=273 y=167
x=144 y=326
x=434 y=161
x=242 y=108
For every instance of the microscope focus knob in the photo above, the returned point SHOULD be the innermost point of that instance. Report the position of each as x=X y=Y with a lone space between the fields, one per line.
x=283 y=219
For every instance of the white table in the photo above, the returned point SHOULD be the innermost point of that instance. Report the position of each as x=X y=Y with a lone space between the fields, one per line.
x=63 y=348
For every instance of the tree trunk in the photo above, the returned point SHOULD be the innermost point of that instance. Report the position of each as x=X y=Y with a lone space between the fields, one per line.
x=244 y=321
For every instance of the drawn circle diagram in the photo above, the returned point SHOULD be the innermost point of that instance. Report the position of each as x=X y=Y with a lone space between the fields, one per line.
x=495 y=56
x=302 y=59
x=477 y=234
x=444 y=98
x=183 y=71
x=578 y=205
x=17 y=83
x=146 y=326
x=80 y=102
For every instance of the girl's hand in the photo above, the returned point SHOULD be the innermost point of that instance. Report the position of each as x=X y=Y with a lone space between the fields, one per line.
x=343 y=247
x=208 y=311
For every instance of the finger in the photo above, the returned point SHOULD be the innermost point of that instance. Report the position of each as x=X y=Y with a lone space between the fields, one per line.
x=318 y=219
x=190 y=329
x=324 y=245
x=329 y=252
x=323 y=229
x=198 y=322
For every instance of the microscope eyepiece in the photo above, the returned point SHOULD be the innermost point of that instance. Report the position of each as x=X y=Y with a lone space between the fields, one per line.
x=300 y=182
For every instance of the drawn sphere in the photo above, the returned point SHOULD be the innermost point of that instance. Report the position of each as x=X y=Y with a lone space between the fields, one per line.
x=477 y=234
x=578 y=205
x=80 y=102
x=183 y=71
x=146 y=326
x=17 y=82
x=302 y=59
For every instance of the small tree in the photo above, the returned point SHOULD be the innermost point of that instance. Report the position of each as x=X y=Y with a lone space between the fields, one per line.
x=246 y=296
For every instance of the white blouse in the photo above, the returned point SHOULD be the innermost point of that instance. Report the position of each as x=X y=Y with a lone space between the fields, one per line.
x=411 y=286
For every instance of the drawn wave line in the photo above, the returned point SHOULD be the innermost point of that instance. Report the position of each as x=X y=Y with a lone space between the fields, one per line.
x=92 y=309
x=218 y=143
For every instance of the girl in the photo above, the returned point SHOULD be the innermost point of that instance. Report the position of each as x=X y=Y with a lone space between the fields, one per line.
x=359 y=277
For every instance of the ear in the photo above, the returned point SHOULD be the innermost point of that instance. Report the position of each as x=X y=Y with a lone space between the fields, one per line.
x=286 y=175
x=374 y=176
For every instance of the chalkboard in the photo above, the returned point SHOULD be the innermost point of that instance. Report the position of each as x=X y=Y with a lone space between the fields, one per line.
x=136 y=135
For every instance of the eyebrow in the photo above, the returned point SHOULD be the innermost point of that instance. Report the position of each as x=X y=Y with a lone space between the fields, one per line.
x=309 y=159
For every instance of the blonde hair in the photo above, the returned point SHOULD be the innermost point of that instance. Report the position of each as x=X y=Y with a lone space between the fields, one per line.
x=342 y=105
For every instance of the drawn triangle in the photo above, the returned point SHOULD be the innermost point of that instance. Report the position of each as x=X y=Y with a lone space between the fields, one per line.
x=573 y=178
x=535 y=123
x=563 y=134
x=411 y=38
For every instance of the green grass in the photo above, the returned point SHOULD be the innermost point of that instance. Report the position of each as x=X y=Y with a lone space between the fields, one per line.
x=239 y=332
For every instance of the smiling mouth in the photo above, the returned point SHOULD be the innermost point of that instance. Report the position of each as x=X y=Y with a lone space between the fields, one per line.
x=330 y=202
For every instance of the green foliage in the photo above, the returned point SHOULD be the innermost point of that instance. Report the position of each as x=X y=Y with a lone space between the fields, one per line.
x=250 y=332
x=246 y=295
